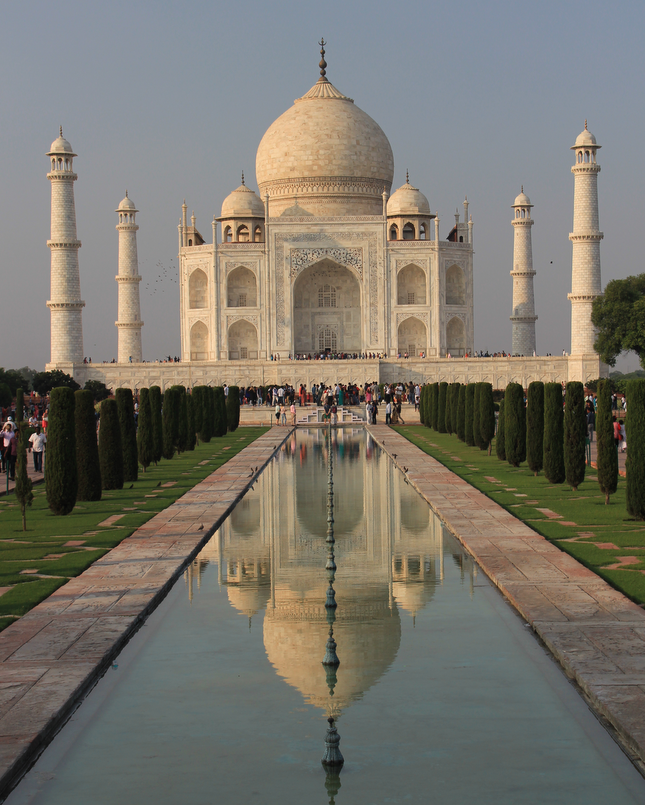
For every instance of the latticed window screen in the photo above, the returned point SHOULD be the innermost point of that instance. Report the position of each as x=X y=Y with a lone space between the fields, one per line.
x=242 y=300
x=327 y=296
x=327 y=340
x=411 y=298
x=244 y=352
x=412 y=350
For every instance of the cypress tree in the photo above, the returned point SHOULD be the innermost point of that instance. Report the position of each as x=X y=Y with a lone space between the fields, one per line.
x=553 y=434
x=427 y=405
x=61 y=477
x=23 y=488
x=469 y=408
x=434 y=406
x=535 y=426
x=20 y=407
x=441 y=408
x=125 y=406
x=500 y=438
x=461 y=413
x=170 y=404
x=208 y=417
x=218 y=411
x=198 y=409
x=233 y=408
x=486 y=416
x=448 y=419
x=145 y=447
x=87 y=448
x=575 y=432
x=607 y=459
x=157 y=424
x=477 y=428
x=514 y=424
x=422 y=400
x=635 y=463
x=192 y=436
x=110 y=448
x=182 y=422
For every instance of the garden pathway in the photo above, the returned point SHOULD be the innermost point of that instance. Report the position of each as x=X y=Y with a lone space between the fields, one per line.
x=595 y=632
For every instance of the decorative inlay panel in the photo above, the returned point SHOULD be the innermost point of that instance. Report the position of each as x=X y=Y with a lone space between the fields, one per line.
x=303 y=258
x=403 y=316
x=252 y=319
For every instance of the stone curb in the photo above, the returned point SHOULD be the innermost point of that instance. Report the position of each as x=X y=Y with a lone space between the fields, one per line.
x=54 y=655
x=594 y=632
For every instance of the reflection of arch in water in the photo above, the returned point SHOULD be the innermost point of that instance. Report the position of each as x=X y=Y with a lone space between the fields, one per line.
x=245 y=517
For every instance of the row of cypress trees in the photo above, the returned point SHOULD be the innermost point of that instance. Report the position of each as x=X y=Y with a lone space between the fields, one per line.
x=79 y=467
x=549 y=432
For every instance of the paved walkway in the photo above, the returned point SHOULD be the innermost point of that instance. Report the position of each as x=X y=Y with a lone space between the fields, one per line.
x=53 y=655
x=596 y=634
x=36 y=477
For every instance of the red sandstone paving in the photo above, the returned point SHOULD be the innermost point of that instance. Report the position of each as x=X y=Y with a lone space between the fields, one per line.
x=596 y=633
x=51 y=657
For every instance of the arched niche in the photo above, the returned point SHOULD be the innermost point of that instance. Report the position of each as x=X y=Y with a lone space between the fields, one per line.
x=456 y=337
x=409 y=231
x=411 y=286
x=199 y=342
x=394 y=232
x=242 y=288
x=242 y=341
x=322 y=313
x=455 y=286
x=198 y=290
x=412 y=337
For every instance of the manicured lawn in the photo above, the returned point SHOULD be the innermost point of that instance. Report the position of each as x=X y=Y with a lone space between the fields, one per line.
x=604 y=538
x=36 y=562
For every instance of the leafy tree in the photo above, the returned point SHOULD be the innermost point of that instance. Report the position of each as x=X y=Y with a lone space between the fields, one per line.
x=20 y=406
x=469 y=413
x=99 y=390
x=607 y=459
x=23 y=488
x=553 y=434
x=87 y=449
x=190 y=421
x=441 y=408
x=15 y=379
x=44 y=382
x=170 y=422
x=6 y=397
x=461 y=413
x=233 y=408
x=145 y=443
x=635 y=463
x=154 y=396
x=535 y=426
x=486 y=416
x=477 y=430
x=125 y=405
x=515 y=424
x=575 y=433
x=110 y=448
x=619 y=315
x=500 y=438
x=61 y=478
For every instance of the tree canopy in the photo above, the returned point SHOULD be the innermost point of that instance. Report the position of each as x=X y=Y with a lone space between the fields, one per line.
x=44 y=382
x=619 y=316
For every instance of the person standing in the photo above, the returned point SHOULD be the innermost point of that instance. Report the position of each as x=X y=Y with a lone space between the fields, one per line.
x=388 y=412
x=7 y=436
x=38 y=441
x=591 y=421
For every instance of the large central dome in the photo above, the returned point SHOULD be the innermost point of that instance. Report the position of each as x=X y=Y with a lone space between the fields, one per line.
x=327 y=154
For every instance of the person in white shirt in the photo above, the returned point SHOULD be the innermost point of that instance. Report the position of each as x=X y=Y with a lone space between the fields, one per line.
x=38 y=441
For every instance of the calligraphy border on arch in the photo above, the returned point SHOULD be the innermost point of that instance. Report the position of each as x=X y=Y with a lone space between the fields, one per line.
x=284 y=271
x=401 y=317
x=231 y=265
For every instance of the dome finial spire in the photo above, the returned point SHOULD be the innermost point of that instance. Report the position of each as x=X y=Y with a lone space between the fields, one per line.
x=323 y=63
x=407 y=176
x=586 y=124
x=522 y=188
x=60 y=129
x=243 y=179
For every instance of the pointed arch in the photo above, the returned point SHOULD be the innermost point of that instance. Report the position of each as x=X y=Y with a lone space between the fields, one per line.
x=411 y=286
x=242 y=288
x=455 y=286
x=198 y=290
x=242 y=341
x=412 y=337
x=456 y=337
x=199 y=346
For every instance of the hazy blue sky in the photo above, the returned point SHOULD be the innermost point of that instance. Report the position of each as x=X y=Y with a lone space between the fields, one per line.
x=170 y=100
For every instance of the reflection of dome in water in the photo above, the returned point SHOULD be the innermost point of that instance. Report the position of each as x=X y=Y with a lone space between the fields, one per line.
x=249 y=600
x=416 y=518
x=368 y=634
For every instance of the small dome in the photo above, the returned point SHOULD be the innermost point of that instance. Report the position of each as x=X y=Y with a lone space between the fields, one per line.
x=585 y=139
x=408 y=200
x=522 y=200
x=61 y=146
x=127 y=204
x=242 y=203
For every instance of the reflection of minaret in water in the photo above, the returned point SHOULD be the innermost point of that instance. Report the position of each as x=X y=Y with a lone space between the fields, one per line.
x=333 y=759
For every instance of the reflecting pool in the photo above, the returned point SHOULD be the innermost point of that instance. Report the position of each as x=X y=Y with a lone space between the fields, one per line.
x=441 y=694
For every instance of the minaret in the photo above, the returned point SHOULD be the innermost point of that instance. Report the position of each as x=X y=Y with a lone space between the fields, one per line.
x=523 y=317
x=129 y=324
x=586 y=237
x=65 y=303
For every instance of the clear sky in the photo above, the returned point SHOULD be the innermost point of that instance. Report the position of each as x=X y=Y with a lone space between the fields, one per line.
x=170 y=100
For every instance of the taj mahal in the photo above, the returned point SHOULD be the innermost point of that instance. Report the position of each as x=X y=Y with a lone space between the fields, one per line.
x=325 y=260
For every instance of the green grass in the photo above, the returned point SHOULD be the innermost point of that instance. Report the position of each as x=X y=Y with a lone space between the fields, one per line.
x=42 y=549
x=596 y=527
